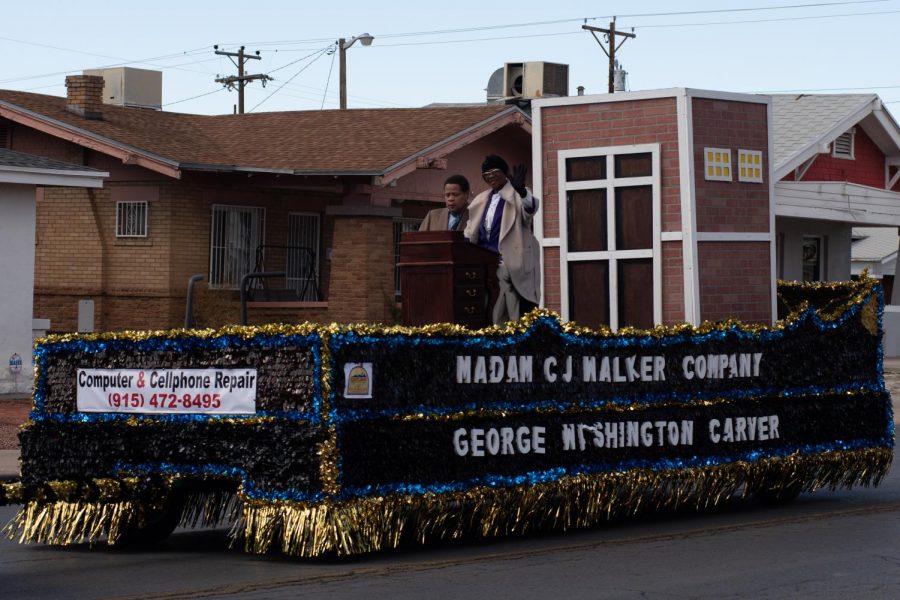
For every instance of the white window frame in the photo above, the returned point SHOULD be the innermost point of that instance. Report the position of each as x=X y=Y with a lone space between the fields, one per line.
x=834 y=150
x=750 y=166
x=610 y=184
x=315 y=245
x=123 y=212
x=215 y=279
x=724 y=164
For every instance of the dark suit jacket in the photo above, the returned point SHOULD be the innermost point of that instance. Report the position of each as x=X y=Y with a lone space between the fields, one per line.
x=436 y=220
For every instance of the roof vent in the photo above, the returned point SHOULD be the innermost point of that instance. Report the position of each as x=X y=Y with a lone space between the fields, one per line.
x=127 y=86
x=843 y=145
x=529 y=80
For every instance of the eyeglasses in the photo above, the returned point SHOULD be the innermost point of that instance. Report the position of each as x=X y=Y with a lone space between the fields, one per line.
x=492 y=173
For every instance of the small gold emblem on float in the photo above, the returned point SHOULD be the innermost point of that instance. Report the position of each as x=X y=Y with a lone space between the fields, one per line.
x=358 y=377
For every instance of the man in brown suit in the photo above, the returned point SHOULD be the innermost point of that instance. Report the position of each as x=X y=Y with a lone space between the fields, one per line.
x=500 y=220
x=454 y=217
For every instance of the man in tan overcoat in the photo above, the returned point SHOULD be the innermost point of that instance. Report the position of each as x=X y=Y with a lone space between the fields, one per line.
x=454 y=216
x=500 y=220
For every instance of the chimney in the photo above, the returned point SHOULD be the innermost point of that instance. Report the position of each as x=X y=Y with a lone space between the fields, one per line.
x=84 y=96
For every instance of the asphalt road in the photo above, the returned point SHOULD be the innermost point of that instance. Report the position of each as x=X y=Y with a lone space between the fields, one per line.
x=825 y=545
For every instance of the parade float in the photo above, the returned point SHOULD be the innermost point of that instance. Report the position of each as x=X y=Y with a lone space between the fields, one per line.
x=318 y=440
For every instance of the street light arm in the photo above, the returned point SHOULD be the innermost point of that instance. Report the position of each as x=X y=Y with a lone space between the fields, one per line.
x=342 y=45
x=364 y=38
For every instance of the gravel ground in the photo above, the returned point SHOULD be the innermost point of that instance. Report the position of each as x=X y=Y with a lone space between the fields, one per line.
x=14 y=409
x=13 y=412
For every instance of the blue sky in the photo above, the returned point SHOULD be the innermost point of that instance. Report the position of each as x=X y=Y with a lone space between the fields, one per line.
x=742 y=46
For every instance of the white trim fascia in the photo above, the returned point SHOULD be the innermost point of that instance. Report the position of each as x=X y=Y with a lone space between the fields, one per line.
x=773 y=246
x=657 y=262
x=549 y=242
x=826 y=214
x=671 y=236
x=801 y=170
x=843 y=212
x=610 y=255
x=563 y=225
x=733 y=236
x=53 y=178
x=890 y=183
x=537 y=184
x=688 y=219
x=890 y=125
x=651 y=95
x=890 y=257
x=813 y=148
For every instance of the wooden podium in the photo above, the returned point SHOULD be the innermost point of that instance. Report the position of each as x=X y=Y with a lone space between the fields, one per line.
x=444 y=278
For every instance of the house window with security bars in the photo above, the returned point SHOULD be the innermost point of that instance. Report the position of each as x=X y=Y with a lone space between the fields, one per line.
x=843 y=145
x=235 y=234
x=132 y=219
x=401 y=226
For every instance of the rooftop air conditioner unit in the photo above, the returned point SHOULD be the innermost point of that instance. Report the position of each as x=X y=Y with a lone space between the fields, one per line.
x=535 y=79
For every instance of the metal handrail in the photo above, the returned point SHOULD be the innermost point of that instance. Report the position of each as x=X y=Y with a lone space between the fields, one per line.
x=247 y=278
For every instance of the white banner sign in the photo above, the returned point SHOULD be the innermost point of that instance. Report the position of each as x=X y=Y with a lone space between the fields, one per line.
x=167 y=391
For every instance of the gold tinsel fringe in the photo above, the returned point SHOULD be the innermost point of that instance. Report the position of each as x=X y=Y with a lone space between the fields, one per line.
x=210 y=509
x=62 y=523
x=372 y=524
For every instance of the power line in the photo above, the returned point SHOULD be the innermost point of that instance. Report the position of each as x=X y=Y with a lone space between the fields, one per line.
x=583 y=19
x=806 y=18
x=299 y=59
x=193 y=97
x=291 y=78
x=328 y=80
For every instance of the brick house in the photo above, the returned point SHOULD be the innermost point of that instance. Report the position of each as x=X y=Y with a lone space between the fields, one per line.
x=318 y=195
x=658 y=207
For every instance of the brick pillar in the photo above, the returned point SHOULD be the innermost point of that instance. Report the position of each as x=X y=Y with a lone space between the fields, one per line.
x=84 y=96
x=361 y=284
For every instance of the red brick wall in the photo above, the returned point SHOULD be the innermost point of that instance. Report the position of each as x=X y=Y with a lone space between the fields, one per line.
x=866 y=168
x=730 y=205
x=362 y=276
x=673 y=282
x=735 y=281
x=620 y=123
x=552 y=298
x=735 y=277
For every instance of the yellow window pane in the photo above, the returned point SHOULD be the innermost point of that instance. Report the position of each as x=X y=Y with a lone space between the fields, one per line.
x=756 y=159
x=718 y=157
x=727 y=172
x=718 y=171
x=743 y=158
x=710 y=171
x=709 y=156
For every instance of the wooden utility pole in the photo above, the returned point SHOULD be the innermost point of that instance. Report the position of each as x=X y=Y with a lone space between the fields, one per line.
x=241 y=79
x=611 y=34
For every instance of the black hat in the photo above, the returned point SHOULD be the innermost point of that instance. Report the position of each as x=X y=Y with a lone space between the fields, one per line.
x=492 y=161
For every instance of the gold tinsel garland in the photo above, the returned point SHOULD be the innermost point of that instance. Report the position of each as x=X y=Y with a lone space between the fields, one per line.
x=374 y=523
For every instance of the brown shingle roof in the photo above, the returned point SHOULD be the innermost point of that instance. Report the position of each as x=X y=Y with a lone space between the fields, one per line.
x=331 y=141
